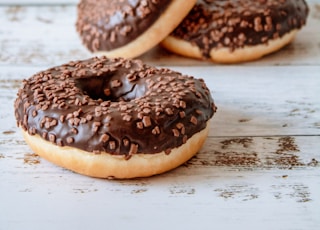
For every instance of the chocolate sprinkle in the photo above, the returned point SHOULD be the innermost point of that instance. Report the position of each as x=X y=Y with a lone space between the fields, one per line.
x=131 y=119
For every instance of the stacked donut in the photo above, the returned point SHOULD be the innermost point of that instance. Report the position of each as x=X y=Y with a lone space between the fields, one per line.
x=226 y=31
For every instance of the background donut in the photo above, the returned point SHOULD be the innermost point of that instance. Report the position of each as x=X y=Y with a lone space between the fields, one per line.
x=237 y=30
x=128 y=28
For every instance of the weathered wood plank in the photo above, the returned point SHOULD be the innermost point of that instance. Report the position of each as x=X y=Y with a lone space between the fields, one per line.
x=226 y=180
x=37 y=2
x=252 y=101
x=263 y=100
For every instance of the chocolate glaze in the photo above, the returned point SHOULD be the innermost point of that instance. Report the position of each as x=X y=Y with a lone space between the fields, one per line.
x=108 y=24
x=113 y=105
x=238 y=23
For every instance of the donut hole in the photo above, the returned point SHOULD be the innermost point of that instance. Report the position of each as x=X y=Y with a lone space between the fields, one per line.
x=109 y=88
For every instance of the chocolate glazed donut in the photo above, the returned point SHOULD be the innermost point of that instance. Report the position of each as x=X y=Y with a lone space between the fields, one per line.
x=237 y=30
x=128 y=28
x=120 y=109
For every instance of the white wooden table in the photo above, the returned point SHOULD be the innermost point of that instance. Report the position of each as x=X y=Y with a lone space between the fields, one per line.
x=259 y=168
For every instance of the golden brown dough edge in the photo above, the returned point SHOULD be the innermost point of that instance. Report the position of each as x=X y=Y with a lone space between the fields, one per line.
x=105 y=165
x=225 y=55
x=165 y=24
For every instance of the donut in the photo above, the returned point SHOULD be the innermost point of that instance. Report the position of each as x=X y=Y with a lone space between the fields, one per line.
x=114 y=117
x=231 y=31
x=128 y=28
